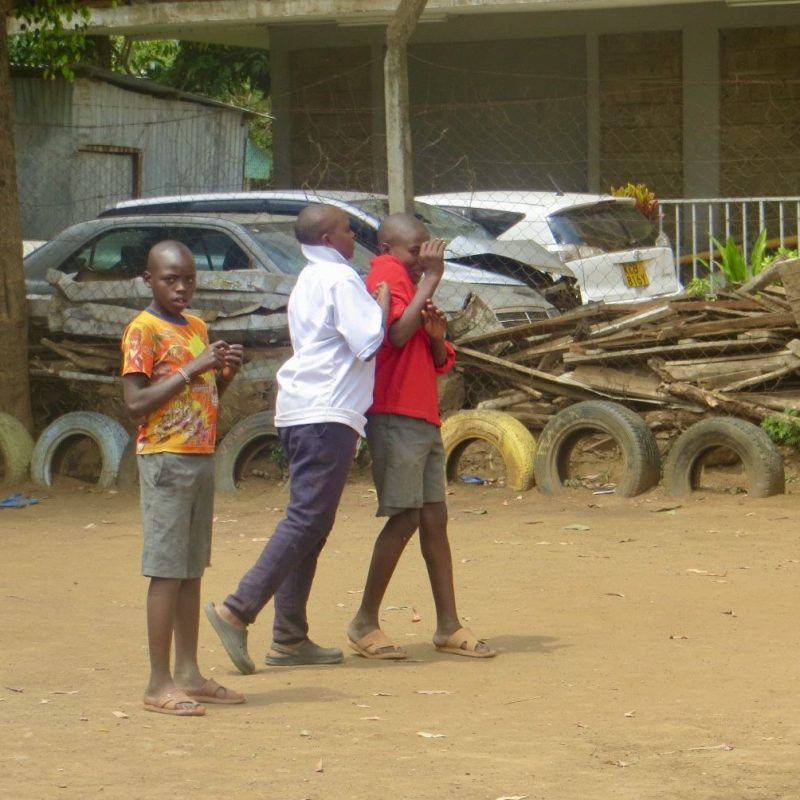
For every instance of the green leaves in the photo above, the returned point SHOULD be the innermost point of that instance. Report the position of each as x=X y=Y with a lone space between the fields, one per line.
x=731 y=262
x=54 y=34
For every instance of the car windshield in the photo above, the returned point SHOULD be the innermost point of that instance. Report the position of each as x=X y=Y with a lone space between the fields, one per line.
x=441 y=224
x=608 y=226
x=277 y=241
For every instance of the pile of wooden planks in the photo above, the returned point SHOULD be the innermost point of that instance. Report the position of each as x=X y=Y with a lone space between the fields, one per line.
x=738 y=353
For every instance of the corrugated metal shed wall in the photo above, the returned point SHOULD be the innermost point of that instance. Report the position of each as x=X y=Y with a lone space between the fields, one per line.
x=43 y=137
x=80 y=145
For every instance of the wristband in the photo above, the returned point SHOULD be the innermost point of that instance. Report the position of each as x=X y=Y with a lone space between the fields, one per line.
x=182 y=372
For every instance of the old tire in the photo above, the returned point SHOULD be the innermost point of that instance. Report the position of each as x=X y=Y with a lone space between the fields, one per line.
x=16 y=448
x=761 y=459
x=107 y=434
x=514 y=441
x=243 y=442
x=128 y=473
x=641 y=463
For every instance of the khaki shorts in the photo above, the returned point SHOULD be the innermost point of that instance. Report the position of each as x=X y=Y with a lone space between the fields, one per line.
x=177 y=499
x=407 y=462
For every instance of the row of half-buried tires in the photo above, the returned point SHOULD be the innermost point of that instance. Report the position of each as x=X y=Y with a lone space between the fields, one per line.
x=546 y=462
x=89 y=444
x=95 y=448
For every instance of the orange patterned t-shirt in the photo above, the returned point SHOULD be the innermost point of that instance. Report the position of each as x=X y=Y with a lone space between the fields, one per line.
x=156 y=347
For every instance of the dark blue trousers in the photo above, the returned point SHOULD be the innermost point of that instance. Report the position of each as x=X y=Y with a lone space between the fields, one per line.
x=320 y=456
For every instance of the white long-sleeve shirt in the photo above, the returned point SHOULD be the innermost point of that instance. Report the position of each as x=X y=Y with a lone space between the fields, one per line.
x=335 y=327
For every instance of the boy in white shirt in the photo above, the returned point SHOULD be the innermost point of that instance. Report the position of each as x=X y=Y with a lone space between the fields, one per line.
x=324 y=389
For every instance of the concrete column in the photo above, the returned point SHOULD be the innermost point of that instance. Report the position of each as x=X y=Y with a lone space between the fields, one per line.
x=593 y=113
x=398 y=126
x=281 y=110
x=378 y=118
x=701 y=112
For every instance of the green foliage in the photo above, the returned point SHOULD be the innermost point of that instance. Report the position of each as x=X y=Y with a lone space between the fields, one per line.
x=646 y=200
x=781 y=432
x=781 y=252
x=278 y=458
x=53 y=34
x=730 y=260
x=698 y=287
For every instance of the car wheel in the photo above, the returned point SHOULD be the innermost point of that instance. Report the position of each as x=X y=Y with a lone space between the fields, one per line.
x=640 y=463
x=504 y=432
x=246 y=440
x=83 y=444
x=16 y=447
x=760 y=458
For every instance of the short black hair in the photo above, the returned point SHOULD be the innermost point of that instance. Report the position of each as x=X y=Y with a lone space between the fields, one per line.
x=314 y=221
x=399 y=226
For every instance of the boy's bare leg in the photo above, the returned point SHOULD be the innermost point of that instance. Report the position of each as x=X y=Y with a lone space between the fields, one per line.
x=162 y=601
x=187 y=670
x=389 y=546
x=435 y=549
x=187 y=624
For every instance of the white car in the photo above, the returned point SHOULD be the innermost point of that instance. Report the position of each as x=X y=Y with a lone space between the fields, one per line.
x=614 y=253
x=468 y=243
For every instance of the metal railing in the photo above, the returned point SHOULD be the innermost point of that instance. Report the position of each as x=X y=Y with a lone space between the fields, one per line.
x=692 y=225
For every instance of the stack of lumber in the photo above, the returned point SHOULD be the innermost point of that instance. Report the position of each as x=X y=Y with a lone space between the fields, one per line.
x=737 y=354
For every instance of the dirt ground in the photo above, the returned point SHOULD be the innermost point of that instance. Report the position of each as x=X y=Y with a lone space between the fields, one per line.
x=649 y=648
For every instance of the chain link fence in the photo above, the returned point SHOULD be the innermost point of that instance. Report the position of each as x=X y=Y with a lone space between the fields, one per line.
x=557 y=289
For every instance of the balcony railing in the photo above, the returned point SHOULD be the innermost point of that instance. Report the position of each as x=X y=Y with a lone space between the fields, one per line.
x=693 y=224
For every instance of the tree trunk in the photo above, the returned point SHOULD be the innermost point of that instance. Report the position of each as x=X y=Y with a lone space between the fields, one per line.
x=14 y=390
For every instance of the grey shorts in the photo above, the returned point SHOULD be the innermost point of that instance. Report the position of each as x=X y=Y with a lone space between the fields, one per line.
x=177 y=498
x=407 y=462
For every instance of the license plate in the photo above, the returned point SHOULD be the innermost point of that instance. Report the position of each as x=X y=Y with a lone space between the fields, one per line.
x=635 y=275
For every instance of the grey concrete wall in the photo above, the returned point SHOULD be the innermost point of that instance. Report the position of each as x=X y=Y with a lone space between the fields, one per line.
x=589 y=97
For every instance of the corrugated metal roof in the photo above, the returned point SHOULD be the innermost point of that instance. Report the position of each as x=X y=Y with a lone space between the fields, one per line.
x=133 y=84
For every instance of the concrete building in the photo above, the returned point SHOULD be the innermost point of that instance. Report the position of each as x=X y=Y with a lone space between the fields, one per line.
x=696 y=98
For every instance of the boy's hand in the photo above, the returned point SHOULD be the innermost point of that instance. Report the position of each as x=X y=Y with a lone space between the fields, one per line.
x=434 y=322
x=213 y=357
x=233 y=361
x=383 y=297
x=431 y=258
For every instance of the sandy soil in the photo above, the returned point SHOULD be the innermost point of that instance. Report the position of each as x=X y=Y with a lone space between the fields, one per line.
x=649 y=648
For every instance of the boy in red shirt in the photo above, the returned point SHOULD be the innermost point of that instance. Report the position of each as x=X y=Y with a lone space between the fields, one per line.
x=405 y=442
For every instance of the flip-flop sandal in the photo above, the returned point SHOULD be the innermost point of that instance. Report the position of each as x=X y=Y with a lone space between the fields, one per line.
x=377 y=645
x=212 y=692
x=18 y=500
x=464 y=643
x=307 y=653
x=171 y=702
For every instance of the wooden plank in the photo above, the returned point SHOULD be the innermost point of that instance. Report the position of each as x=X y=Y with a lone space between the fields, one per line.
x=719 y=346
x=726 y=403
x=721 y=326
x=559 y=345
x=621 y=383
x=718 y=372
x=550 y=325
x=632 y=320
x=538 y=380
x=87 y=362
x=781 y=372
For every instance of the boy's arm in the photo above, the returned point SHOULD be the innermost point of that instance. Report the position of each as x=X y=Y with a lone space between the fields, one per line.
x=431 y=259
x=434 y=323
x=141 y=396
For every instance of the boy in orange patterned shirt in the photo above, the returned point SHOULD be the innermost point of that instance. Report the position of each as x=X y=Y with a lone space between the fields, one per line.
x=172 y=379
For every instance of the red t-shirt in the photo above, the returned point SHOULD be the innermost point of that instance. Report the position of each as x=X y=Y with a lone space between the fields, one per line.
x=405 y=377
